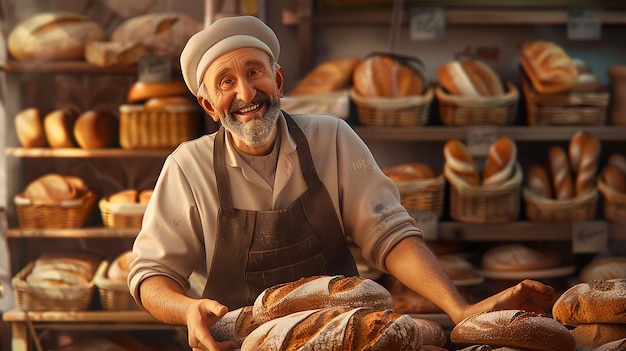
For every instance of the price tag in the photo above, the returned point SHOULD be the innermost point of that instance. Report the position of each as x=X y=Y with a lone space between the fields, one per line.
x=479 y=138
x=155 y=68
x=427 y=222
x=427 y=23
x=589 y=237
x=584 y=24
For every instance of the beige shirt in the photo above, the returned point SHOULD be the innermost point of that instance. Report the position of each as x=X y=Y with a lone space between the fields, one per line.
x=180 y=222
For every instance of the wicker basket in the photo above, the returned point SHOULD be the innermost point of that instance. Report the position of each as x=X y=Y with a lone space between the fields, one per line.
x=114 y=295
x=402 y=111
x=121 y=215
x=613 y=203
x=574 y=108
x=67 y=214
x=456 y=110
x=484 y=203
x=38 y=298
x=580 y=208
x=142 y=129
x=423 y=195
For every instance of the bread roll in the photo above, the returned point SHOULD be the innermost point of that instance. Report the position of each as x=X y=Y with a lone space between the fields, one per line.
x=328 y=76
x=142 y=91
x=53 y=36
x=460 y=161
x=469 y=78
x=595 y=335
x=604 y=269
x=388 y=76
x=513 y=328
x=618 y=160
x=59 y=128
x=120 y=267
x=319 y=292
x=614 y=178
x=548 y=67
x=562 y=182
x=107 y=53
x=596 y=301
x=407 y=172
x=163 y=33
x=501 y=160
x=588 y=166
x=29 y=128
x=432 y=333
x=538 y=181
x=234 y=326
x=337 y=329
x=617 y=345
x=519 y=257
x=95 y=129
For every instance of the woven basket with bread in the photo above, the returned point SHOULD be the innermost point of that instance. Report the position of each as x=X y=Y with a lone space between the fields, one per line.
x=421 y=189
x=125 y=208
x=55 y=201
x=564 y=190
x=471 y=93
x=489 y=196
x=110 y=279
x=612 y=188
x=391 y=90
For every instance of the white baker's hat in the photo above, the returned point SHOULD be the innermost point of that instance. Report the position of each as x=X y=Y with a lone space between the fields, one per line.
x=220 y=37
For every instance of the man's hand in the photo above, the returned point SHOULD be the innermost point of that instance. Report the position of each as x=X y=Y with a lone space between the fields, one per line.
x=201 y=315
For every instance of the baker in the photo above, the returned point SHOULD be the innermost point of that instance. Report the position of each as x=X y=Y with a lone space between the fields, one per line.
x=271 y=198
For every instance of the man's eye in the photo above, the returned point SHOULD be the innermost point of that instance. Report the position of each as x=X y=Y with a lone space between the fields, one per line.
x=226 y=83
x=254 y=72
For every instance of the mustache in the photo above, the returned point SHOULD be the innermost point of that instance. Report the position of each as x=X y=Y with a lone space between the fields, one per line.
x=259 y=98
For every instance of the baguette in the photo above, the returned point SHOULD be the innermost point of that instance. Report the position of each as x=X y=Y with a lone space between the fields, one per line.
x=234 y=326
x=328 y=76
x=469 y=78
x=501 y=160
x=460 y=161
x=319 y=292
x=562 y=182
x=587 y=166
x=538 y=181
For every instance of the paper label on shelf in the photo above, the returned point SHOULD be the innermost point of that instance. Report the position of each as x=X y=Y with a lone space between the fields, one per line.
x=155 y=68
x=589 y=237
x=479 y=138
x=584 y=24
x=427 y=222
x=427 y=23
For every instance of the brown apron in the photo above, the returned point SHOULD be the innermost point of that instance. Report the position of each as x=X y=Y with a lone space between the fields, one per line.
x=258 y=249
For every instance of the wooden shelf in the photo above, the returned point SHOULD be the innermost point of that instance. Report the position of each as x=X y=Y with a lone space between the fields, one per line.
x=73 y=233
x=73 y=67
x=78 y=316
x=84 y=153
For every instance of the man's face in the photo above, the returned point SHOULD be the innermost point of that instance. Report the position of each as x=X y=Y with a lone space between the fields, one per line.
x=244 y=93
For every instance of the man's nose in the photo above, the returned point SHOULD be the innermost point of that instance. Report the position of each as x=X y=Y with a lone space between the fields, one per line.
x=245 y=90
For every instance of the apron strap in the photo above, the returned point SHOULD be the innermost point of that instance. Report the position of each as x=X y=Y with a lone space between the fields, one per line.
x=219 y=164
x=304 y=154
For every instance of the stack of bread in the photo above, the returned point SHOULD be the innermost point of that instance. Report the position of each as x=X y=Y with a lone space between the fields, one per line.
x=568 y=178
x=343 y=313
x=596 y=310
x=420 y=187
x=66 y=128
x=124 y=208
x=612 y=186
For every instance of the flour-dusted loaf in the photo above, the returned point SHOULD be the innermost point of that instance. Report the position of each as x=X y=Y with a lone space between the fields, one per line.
x=597 y=301
x=432 y=333
x=519 y=257
x=513 y=328
x=597 y=334
x=337 y=329
x=234 y=326
x=320 y=292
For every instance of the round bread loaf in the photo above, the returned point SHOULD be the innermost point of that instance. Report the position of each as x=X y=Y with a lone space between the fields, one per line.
x=95 y=129
x=59 y=128
x=337 y=329
x=407 y=172
x=460 y=161
x=519 y=257
x=595 y=334
x=597 y=301
x=538 y=181
x=320 y=292
x=501 y=159
x=617 y=345
x=604 y=269
x=29 y=128
x=513 y=328
x=382 y=75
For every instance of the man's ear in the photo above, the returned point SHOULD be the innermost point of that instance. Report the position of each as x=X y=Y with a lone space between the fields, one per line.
x=279 y=81
x=206 y=105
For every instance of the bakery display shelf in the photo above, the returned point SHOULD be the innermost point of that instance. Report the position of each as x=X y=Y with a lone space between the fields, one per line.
x=84 y=153
x=75 y=67
x=519 y=133
x=16 y=315
x=93 y=232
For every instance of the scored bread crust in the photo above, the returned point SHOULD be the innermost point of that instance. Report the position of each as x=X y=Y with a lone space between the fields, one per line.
x=538 y=181
x=513 y=328
x=587 y=166
x=501 y=159
x=469 y=78
x=317 y=292
x=234 y=326
x=328 y=76
x=597 y=301
x=548 y=66
x=562 y=182
x=460 y=161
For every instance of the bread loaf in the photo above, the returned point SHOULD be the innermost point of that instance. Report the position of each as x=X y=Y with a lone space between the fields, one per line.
x=124 y=196
x=95 y=129
x=614 y=178
x=163 y=33
x=319 y=292
x=469 y=78
x=575 y=148
x=328 y=76
x=597 y=301
x=53 y=36
x=587 y=82
x=460 y=161
x=337 y=329
x=538 y=181
x=59 y=128
x=604 y=269
x=617 y=345
x=142 y=91
x=587 y=166
x=144 y=196
x=548 y=66
x=432 y=333
x=519 y=257
x=501 y=159
x=407 y=172
x=234 y=326
x=382 y=75
x=29 y=128
x=53 y=188
x=513 y=328
x=120 y=267
x=107 y=53
x=619 y=161
x=161 y=103
x=562 y=182
x=594 y=334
